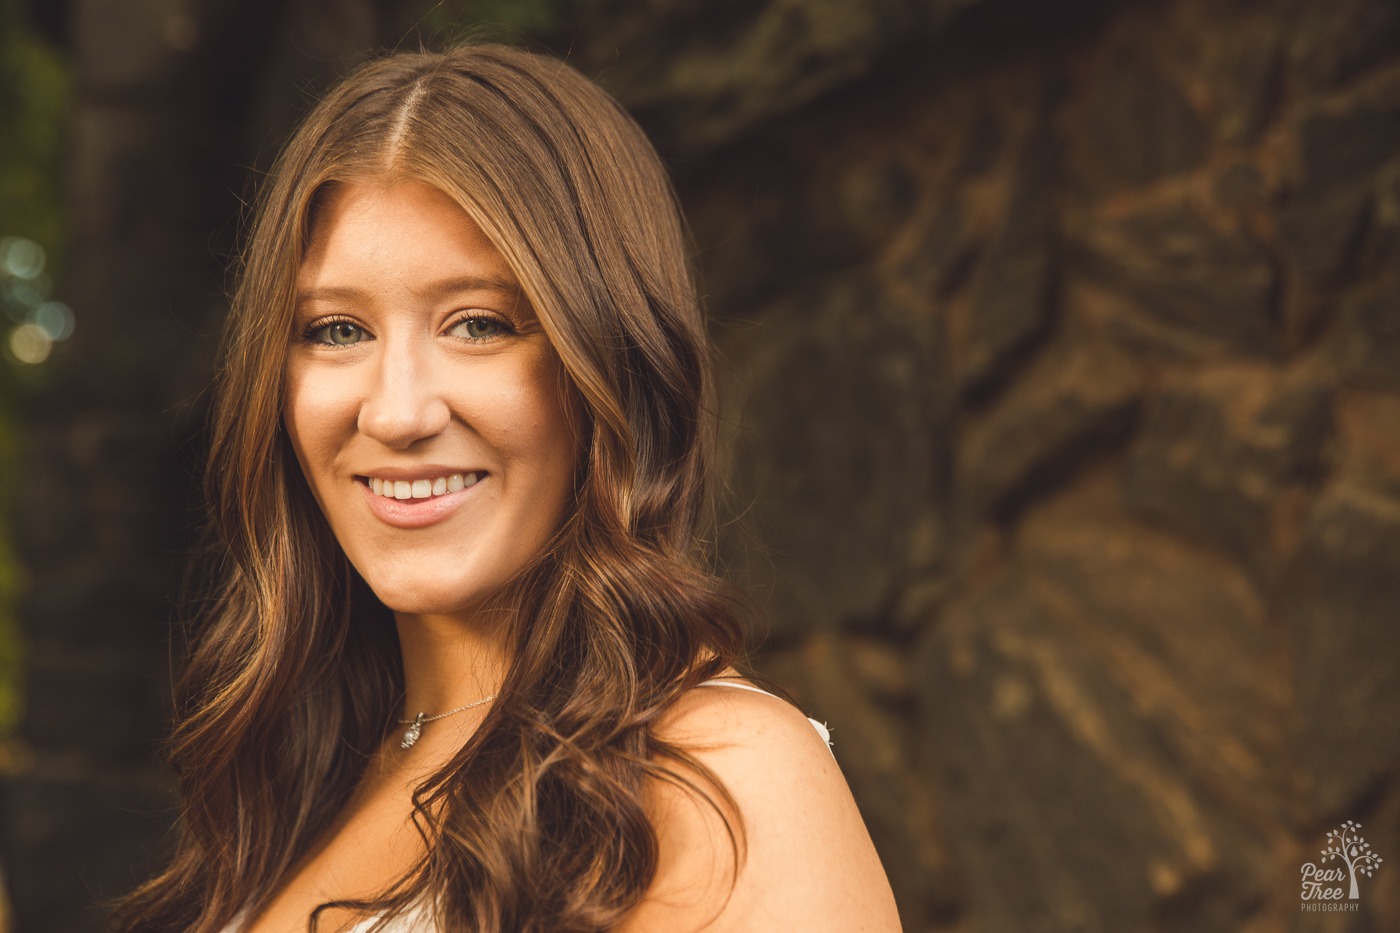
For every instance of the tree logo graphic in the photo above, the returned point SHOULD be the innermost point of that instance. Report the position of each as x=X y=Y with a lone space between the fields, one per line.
x=1348 y=846
x=1343 y=843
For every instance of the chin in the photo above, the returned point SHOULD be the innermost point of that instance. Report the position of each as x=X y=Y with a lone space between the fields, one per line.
x=431 y=604
x=425 y=597
x=403 y=587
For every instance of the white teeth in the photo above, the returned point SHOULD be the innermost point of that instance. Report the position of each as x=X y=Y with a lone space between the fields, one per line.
x=423 y=488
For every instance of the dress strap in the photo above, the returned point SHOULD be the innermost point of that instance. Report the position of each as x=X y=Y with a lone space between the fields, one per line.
x=735 y=683
x=821 y=727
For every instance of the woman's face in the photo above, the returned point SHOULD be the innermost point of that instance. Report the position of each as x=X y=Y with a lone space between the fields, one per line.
x=424 y=401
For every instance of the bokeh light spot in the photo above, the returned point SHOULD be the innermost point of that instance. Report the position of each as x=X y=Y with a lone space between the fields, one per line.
x=21 y=258
x=55 y=319
x=30 y=344
x=28 y=292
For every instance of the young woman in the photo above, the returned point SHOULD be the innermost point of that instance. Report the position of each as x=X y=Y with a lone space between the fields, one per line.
x=460 y=444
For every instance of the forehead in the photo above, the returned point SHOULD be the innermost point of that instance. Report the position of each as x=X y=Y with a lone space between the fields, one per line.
x=399 y=230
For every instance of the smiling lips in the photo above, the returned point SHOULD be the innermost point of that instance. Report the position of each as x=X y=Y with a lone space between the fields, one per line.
x=419 y=502
x=422 y=488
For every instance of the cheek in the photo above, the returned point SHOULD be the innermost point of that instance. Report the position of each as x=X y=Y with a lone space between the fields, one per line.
x=553 y=438
x=531 y=435
x=314 y=412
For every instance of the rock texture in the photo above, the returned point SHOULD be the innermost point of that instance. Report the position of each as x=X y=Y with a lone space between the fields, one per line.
x=1060 y=352
x=1140 y=598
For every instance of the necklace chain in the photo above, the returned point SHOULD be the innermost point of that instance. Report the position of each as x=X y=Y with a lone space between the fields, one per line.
x=415 y=725
x=460 y=709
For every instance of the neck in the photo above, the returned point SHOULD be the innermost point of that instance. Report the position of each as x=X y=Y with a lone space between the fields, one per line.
x=450 y=661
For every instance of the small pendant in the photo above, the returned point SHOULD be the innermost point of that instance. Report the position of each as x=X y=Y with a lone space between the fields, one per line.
x=414 y=731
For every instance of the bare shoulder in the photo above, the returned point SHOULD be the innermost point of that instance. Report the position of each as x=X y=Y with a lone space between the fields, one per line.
x=806 y=861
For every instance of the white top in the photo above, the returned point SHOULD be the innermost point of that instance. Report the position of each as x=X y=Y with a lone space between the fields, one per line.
x=418 y=919
x=821 y=727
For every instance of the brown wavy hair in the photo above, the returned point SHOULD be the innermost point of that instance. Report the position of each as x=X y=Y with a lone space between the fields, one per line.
x=294 y=677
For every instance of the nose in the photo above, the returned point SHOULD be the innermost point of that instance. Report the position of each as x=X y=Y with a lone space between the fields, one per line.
x=404 y=404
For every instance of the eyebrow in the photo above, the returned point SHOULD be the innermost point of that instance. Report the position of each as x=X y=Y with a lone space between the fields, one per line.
x=469 y=283
x=433 y=290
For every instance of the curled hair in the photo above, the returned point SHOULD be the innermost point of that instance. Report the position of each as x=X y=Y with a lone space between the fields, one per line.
x=538 y=822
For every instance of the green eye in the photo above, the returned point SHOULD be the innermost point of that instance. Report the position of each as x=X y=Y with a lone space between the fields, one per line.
x=478 y=328
x=337 y=333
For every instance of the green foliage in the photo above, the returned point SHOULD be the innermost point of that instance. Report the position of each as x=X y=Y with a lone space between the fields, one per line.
x=34 y=99
x=511 y=21
x=34 y=102
x=10 y=654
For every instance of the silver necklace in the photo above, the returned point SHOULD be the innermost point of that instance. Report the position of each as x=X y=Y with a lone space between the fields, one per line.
x=415 y=725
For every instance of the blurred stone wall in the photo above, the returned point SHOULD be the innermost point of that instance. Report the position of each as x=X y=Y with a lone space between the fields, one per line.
x=1065 y=359
x=1061 y=358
